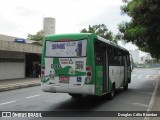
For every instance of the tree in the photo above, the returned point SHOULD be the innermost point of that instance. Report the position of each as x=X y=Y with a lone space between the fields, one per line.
x=100 y=30
x=144 y=28
x=37 y=37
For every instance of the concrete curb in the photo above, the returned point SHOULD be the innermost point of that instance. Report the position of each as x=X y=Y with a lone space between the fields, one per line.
x=159 y=74
x=154 y=103
x=18 y=86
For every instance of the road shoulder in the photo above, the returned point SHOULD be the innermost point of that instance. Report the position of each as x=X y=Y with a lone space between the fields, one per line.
x=155 y=100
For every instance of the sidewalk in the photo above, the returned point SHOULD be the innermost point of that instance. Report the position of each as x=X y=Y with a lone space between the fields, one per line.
x=155 y=100
x=12 y=84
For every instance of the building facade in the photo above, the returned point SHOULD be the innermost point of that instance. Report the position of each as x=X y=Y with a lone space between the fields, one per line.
x=49 y=25
x=135 y=55
x=20 y=58
x=17 y=59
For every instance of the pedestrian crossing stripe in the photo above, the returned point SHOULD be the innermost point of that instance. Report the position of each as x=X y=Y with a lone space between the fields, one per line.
x=145 y=76
x=140 y=76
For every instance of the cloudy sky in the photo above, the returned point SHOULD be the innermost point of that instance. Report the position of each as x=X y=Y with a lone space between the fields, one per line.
x=20 y=17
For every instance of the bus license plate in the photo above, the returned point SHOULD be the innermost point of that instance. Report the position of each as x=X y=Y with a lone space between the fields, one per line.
x=64 y=79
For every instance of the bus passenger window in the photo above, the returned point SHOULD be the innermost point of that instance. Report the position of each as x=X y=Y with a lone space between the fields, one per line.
x=99 y=60
x=110 y=56
x=98 y=53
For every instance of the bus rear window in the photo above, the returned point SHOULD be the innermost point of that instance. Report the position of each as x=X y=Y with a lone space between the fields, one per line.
x=66 y=49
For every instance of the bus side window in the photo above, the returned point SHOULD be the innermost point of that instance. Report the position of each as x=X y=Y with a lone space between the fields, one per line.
x=110 y=56
x=121 y=60
x=116 y=57
x=98 y=53
x=98 y=59
x=128 y=61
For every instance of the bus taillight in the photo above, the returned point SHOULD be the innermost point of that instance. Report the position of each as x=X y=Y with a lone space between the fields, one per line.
x=89 y=74
x=42 y=70
x=43 y=67
x=89 y=71
x=88 y=68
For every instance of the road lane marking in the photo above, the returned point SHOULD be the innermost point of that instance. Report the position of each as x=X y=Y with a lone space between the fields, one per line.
x=148 y=76
x=140 y=104
x=137 y=104
x=159 y=74
x=32 y=96
x=8 y=102
x=139 y=76
x=144 y=92
x=133 y=76
x=155 y=76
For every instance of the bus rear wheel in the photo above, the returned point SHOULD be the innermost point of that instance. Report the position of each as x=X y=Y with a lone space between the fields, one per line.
x=112 y=93
x=125 y=87
x=75 y=95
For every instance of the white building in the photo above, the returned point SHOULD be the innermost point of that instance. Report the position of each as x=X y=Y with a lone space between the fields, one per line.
x=136 y=55
x=49 y=25
x=146 y=58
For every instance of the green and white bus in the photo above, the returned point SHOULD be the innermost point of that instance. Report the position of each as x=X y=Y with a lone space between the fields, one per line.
x=83 y=63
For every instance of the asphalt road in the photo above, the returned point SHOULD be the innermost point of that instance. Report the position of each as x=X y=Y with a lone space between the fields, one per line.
x=137 y=98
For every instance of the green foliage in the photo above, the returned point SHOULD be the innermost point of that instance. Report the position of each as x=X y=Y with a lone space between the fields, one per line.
x=37 y=37
x=34 y=37
x=144 y=27
x=100 y=30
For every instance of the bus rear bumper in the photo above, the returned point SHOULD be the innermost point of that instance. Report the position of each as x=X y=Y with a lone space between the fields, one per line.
x=85 y=89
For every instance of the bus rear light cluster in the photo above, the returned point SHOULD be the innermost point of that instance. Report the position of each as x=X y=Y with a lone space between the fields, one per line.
x=89 y=74
x=43 y=67
x=42 y=70
x=88 y=80
x=88 y=68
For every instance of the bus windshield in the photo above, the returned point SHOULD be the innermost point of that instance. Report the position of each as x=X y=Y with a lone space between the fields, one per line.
x=66 y=49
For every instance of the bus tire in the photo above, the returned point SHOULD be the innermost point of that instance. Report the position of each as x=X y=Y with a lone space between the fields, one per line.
x=112 y=93
x=125 y=87
x=75 y=95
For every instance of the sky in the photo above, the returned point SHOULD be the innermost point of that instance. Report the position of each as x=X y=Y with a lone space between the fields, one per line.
x=20 y=17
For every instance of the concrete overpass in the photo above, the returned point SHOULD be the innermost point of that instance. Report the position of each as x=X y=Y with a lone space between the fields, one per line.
x=19 y=47
x=17 y=59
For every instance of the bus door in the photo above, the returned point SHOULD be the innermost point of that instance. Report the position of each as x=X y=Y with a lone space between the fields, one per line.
x=105 y=70
x=125 y=70
x=101 y=69
x=129 y=69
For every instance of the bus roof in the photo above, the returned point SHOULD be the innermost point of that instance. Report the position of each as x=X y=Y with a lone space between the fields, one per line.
x=67 y=36
x=71 y=36
x=111 y=43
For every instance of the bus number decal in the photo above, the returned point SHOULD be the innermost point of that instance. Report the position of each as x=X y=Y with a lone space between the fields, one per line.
x=79 y=65
x=55 y=66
